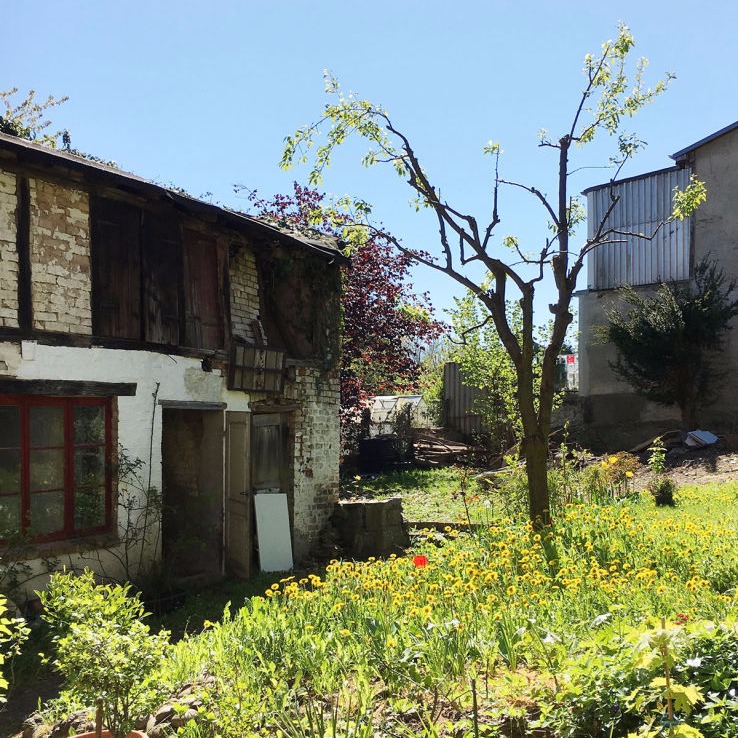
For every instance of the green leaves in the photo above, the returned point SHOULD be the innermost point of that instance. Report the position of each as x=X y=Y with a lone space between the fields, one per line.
x=666 y=344
x=348 y=116
x=616 y=94
x=26 y=118
x=103 y=648
x=13 y=632
x=686 y=201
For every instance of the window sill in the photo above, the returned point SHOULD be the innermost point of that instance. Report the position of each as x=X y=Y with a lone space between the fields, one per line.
x=46 y=549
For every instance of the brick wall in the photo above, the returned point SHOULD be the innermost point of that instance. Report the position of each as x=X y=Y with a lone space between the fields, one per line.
x=316 y=449
x=244 y=293
x=60 y=258
x=8 y=252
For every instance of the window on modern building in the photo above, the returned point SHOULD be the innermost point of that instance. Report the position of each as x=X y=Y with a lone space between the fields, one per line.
x=55 y=467
x=154 y=280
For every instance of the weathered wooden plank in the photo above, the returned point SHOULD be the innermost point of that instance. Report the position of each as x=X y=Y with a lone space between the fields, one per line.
x=203 y=316
x=23 y=247
x=162 y=280
x=62 y=388
x=116 y=269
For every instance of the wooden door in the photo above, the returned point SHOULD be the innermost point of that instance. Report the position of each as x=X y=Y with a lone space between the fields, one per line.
x=239 y=536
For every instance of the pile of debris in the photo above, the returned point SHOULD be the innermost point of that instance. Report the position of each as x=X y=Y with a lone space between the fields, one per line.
x=431 y=449
x=675 y=439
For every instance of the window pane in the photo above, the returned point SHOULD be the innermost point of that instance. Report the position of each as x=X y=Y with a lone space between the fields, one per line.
x=9 y=516
x=266 y=455
x=9 y=425
x=47 y=513
x=89 y=467
x=46 y=425
x=9 y=471
x=89 y=508
x=47 y=469
x=89 y=424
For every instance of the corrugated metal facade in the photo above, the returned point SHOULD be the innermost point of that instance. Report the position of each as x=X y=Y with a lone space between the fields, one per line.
x=458 y=402
x=644 y=203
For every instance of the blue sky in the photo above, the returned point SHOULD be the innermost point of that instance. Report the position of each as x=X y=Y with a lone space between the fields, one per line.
x=202 y=94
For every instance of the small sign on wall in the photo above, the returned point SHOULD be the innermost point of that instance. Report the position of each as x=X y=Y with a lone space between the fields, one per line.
x=273 y=532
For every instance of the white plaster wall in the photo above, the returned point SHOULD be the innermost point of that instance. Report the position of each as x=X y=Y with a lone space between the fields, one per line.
x=140 y=416
x=179 y=378
x=161 y=377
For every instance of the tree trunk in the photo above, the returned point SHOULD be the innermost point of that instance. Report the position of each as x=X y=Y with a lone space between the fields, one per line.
x=688 y=408
x=535 y=451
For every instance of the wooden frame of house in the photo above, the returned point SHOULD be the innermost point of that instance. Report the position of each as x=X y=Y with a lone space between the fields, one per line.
x=201 y=342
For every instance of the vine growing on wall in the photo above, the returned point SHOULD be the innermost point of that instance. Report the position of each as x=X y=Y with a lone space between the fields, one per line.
x=385 y=321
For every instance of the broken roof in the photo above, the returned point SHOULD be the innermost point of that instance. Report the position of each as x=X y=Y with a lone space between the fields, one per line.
x=21 y=150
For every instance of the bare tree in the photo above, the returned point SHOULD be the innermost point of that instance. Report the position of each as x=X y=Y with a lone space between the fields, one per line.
x=610 y=94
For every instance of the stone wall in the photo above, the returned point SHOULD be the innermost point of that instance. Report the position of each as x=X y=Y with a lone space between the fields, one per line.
x=244 y=293
x=60 y=258
x=8 y=252
x=316 y=453
x=371 y=527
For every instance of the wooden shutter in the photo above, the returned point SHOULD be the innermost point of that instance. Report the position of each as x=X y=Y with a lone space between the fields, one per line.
x=162 y=286
x=116 y=269
x=202 y=289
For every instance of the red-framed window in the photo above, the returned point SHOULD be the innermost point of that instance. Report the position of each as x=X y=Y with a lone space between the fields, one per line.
x=55 y=466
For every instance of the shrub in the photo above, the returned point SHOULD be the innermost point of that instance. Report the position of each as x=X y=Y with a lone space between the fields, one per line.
x=663 y=489
x=13 y=632
x=104 y=650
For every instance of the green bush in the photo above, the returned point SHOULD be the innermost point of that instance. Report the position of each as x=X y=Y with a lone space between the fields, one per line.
x=614 y=684
x=663 y=489
x=13 y=632
x=103 y=648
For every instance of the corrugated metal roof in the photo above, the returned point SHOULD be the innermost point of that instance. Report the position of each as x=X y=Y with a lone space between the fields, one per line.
x=26 y=150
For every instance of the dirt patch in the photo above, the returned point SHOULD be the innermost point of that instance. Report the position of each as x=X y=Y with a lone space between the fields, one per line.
x=24 y=700
x=687 y=466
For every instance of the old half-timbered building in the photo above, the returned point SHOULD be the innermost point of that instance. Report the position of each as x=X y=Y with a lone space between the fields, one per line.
x=152 y=341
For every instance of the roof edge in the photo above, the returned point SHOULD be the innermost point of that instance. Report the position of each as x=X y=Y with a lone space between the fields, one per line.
x=634 y=178
x=688 y=149
x=142 y=185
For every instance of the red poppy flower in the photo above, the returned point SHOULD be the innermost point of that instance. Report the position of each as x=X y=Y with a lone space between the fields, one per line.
x=420 y=561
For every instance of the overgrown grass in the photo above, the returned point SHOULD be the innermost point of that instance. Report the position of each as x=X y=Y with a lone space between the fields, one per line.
x=428 y=495
x=472 y=634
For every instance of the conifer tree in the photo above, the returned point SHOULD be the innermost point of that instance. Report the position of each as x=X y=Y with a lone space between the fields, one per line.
x=667 y=344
